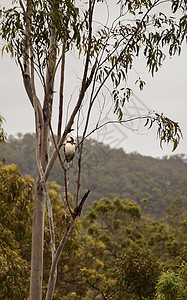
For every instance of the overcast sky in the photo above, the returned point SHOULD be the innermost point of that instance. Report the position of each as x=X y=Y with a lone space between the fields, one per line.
x=166 y=92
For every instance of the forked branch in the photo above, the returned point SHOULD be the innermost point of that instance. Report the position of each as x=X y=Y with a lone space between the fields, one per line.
x=52 y=278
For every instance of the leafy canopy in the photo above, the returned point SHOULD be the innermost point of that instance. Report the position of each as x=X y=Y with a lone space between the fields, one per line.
x=138 y=28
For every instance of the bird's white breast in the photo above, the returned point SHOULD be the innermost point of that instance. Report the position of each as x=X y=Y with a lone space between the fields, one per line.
x=69 y=149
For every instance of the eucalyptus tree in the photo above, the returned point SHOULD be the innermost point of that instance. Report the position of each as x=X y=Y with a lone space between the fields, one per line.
x=40 y=35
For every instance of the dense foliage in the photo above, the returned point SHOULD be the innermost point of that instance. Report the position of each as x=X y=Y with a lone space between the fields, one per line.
x=144 y=179
x=114 y=251
x=16 y=197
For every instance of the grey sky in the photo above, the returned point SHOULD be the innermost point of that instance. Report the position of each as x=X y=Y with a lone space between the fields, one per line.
x=166 y=92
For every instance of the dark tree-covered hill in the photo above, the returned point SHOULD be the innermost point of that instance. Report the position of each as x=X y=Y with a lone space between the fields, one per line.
x=111 y=172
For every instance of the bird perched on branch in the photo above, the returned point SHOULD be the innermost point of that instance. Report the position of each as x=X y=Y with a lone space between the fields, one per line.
x=69 y=149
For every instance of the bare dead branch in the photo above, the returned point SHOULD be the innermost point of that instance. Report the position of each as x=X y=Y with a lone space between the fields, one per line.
x=78 y=209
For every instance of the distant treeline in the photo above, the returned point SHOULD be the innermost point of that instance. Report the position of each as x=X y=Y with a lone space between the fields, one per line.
x=111 y=173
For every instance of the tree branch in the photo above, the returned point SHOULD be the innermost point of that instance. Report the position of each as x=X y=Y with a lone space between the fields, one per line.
x=78 y=209
x=84 y=87
x=26 y=68
x=52 y=279
x=61 y=94
x=51 y=223
x=118 y=122
x=122 y=52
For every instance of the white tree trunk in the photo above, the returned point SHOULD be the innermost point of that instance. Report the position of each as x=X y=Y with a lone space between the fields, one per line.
x=37 y=244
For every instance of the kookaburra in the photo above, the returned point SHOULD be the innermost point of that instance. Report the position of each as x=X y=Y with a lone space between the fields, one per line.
x=69 y=149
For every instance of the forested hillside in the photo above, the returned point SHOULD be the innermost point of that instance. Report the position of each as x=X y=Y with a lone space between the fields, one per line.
x=111 y=173
x=113 y=252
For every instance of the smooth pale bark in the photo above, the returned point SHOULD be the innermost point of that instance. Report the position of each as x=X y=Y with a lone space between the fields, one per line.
x=37 y=244
x=42 y=156
x=52 y=278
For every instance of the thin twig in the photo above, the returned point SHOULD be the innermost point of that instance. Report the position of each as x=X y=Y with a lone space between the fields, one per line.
x=118 y=122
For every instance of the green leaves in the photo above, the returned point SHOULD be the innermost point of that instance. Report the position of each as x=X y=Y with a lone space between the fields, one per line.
x=179 y=4
x=141 y=83
x=14 y=275
x=172 y=285
x=16 y=194
x=168 y=131
x=137 y=274
x=120 y=97
x=115 y=47
x=44 y=16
